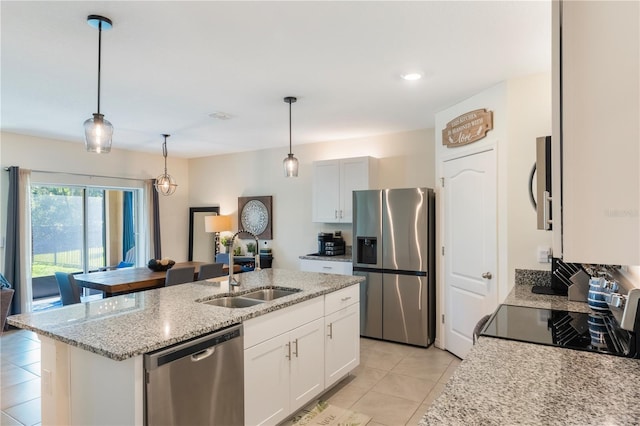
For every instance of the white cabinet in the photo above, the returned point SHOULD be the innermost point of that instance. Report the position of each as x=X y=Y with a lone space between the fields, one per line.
x=283 y=373
x=342 y=334
x=333 y=184
x=266 y=384
x=283 y=361
x=327 y=266
x=596 y=120
x=306 y=364
x=293 y=354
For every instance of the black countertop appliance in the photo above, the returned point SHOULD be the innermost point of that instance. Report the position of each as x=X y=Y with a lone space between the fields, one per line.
x=330 y=244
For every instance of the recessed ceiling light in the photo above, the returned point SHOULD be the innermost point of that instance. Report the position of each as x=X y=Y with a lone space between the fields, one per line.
x=220 y=115
x=412 y=76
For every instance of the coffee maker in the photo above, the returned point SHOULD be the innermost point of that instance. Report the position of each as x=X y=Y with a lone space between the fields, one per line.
x=330 y=244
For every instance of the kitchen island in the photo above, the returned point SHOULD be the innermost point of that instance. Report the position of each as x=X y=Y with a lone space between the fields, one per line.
x=504 y=382
x=92 y=353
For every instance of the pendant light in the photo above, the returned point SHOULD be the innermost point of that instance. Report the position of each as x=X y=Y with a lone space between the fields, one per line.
x=165 y=183
x=290 y=163
x=97 y=130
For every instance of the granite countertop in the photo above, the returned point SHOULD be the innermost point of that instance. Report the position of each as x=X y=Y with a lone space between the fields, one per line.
x=507 y=382
x=314 y=256
x=504 y=382
x=521 y=295
x=133 y=324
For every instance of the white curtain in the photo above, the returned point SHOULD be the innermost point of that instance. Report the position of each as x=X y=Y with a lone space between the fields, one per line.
x=24 y=210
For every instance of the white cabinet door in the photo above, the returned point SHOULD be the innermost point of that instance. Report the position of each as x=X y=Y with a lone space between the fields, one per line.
x=600 y=106
x=326 y=191
x=266 y=382
x=333 y=184
x=342 y=343
x=354 y=176
x=307 y=363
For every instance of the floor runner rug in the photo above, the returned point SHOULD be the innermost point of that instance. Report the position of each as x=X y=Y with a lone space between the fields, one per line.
x=325 y=414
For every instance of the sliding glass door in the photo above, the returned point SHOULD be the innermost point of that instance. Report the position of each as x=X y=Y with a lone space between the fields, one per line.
x=79 y=229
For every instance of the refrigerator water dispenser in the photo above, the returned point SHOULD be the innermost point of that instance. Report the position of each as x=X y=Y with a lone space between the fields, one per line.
x=367 y=250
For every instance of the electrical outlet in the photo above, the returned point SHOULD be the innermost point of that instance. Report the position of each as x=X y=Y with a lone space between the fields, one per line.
x=544 y=254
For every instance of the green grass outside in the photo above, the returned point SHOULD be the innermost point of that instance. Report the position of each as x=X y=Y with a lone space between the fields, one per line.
x=70 y=261
x=46 y=269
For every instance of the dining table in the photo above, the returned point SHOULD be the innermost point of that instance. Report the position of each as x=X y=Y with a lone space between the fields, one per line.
x=129 y=280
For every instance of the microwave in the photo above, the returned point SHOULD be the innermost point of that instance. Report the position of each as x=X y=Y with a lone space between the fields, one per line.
x=543 y=183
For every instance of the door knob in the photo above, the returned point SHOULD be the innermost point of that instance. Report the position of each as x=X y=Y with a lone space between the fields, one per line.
x=487 y=275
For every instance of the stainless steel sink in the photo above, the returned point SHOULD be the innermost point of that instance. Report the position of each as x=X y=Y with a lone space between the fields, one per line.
x=233 y=302
x=271 y=293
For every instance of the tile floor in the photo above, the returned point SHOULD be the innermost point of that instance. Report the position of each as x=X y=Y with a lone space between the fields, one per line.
x=19 y=378
x=394 y=384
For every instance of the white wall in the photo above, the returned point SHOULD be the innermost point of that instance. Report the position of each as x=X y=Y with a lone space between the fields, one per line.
x=60 y=156
x=405 y=160
x=529 y=112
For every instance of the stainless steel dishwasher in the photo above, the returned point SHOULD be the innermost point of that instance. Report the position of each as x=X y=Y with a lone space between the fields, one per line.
x=199 y=382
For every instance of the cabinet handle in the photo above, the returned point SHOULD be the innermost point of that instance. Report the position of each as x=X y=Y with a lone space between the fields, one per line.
x=296 y=352
x=330 y=335
x=546 y=206
x=341 y=216
x=288 y=356
x=327 y=267
x=335 y=213
x=344 y=299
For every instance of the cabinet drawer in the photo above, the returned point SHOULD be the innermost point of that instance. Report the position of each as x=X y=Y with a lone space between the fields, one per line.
x=266 y=326
x=342 y=298
x=326 y=266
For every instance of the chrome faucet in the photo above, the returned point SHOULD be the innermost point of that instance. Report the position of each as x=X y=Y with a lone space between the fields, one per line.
x=233 y=281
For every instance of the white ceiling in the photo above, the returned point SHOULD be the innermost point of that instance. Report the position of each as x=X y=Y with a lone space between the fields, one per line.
x=167 y=65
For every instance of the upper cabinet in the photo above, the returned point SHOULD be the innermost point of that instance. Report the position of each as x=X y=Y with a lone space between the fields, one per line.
x=596 y=130
x=333 y=184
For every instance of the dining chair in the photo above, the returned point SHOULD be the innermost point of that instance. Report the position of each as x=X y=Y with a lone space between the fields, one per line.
x=179 y=275
x=69 y=290
x=210 y=270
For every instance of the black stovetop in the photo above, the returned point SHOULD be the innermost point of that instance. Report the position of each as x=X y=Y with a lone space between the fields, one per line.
x=572 y=330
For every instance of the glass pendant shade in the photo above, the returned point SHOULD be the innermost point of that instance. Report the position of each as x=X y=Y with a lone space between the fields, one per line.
x=166 y=184
x=290 y=163
x=97 y=134
x=290 y=166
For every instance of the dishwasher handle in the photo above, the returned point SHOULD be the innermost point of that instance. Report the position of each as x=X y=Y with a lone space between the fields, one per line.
x=203 y=354
x=197 y=348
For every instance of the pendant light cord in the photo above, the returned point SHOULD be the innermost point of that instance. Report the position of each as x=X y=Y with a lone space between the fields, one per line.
x=99 y=57
x=289 y=127
x=164 y=153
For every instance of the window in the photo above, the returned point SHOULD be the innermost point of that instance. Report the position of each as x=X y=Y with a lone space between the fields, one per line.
x=79 y=229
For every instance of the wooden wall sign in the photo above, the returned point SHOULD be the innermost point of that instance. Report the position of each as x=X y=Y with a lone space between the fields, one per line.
x=467 y=128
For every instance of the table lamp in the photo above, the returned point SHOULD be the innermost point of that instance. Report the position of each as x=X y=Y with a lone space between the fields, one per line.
x=217 y=224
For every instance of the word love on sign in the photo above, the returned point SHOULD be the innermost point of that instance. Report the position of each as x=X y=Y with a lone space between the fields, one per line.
x=467 y=128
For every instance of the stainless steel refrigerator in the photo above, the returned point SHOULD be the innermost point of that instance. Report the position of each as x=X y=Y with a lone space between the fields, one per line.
x=394 y=248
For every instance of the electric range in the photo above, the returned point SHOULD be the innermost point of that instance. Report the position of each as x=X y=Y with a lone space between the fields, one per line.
x=593 y=332
x=613 y=330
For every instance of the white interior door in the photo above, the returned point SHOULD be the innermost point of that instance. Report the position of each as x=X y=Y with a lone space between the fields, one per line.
x=470 y=246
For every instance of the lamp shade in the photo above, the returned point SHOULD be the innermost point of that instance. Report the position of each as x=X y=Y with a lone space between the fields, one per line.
x=217 y=223
x=97 y=134
x=290 y=166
